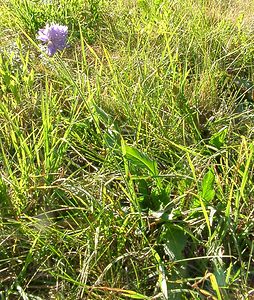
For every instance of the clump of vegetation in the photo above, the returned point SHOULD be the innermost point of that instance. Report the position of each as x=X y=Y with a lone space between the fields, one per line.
x=126 y=157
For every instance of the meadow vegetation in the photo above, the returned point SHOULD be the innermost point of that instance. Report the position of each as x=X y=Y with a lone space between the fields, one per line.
x=126 y=159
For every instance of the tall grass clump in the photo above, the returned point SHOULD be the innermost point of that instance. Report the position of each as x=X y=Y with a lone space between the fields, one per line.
x=126 y=157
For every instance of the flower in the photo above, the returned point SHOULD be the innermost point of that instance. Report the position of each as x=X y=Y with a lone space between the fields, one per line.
x=54 y=36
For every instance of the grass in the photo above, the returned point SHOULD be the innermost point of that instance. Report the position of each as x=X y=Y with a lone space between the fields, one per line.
x=126 y=160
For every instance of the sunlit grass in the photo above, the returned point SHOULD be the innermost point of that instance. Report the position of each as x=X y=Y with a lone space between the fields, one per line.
x=126 y=159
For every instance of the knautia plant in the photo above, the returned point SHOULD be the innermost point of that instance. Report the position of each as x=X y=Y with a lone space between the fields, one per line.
x=126 y=168
x=55 y=36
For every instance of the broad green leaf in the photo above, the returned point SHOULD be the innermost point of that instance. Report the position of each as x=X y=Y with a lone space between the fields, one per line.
x=208 y=192
x=174 y=241
x=140 y=159
x=218 y=139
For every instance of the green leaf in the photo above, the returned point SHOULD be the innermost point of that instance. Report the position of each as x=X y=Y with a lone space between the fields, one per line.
x=217 y=140
x=140 y=159
x=103 y=116
x=208 y=192
x=174 y=241
x=112 y=139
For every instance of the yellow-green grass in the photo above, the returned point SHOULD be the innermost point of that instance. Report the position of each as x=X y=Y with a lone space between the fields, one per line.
x=126 y=160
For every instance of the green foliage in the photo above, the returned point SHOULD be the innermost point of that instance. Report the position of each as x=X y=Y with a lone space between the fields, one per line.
x=217 y=140
x=31 y=15
x=208 y=192
x=140 y=160
x=126 y=162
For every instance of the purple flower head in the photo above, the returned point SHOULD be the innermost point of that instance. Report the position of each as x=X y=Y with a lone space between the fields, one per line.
x=54 y=36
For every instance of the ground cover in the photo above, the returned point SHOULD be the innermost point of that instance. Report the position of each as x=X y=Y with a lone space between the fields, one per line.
x=126 y=150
